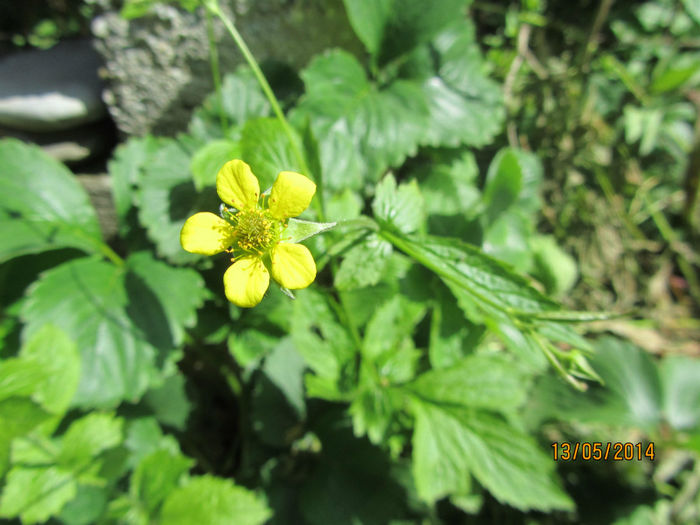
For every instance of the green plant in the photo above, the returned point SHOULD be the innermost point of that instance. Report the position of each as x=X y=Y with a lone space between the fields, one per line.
x=420 y=378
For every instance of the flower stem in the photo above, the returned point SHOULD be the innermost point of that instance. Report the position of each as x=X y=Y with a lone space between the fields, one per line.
x=215 y=73
x=213 y=7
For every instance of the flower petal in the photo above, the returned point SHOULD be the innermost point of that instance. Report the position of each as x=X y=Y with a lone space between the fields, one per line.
x=293 y=265
x=246 y=281
x=237 y=186
x=291 y=194
x=206 y=233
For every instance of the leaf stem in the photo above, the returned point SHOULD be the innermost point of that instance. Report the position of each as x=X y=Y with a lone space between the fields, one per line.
x=213 y=7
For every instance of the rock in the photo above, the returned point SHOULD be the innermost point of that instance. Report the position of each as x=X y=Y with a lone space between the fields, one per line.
x=51 y=90
x=73 y=146
x=99 y=189
x=158 y=66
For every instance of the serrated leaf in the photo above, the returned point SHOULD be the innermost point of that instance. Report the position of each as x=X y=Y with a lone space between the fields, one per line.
x=324 y=343
x=452 y=189
x=242 y=99
x=391 y=322
x=485 y=284
x=466 y=107
x=51 y=349
x=163 y=299
x=18 y=416
x=401 y=207
x=479 y=381
x=385 y=125
x=363 y=265
x=125 y=323
x=452 y=336
x=87 y=438
x=167 y=197
x=36 y=494
x=156 y=476
x=503 y=459
x=267 y=148
x=126 y=171
x=42 y=205
x=389 y=28
x=214 y=501
x=208 y=160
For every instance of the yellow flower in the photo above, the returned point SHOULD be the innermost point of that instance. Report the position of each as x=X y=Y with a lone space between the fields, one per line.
x=252 y=233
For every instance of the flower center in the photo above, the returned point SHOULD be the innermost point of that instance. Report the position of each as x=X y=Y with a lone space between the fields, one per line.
x=255 y=232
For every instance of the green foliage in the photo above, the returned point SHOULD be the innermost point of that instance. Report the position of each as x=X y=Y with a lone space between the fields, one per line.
x=44 y=207
x=427 y=371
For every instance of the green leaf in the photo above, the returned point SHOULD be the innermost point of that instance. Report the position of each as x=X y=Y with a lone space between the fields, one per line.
x=87 y=507
x=631 y=393
x=213 y=501
x=87 y=438
x=125 y=321
x=503 y=459
x=680 y=383
x=389 y=28
x=392 y=322
x=242 y=99
x=278 y=403
x=466 y=107
x=20 y=377
x=484 y=283
x=163 y=299
x=167 y=197
x=363 y=265
x=57 y=355
x=169 y=402
x=452 y=337
x=36 y=494
x=136 y=8
x=373 y=411
x=267 y=148
x=384 y=125
x=504 y=182
x=156 y=476
x=452 y=189
x=126 y=171
x=693 y=9
x=479 y=381
x=324 y=343
x=209 y=159
x=42 y=205
x=554 y=268
x=401 y=207
x=18 y=416
x=298 y=230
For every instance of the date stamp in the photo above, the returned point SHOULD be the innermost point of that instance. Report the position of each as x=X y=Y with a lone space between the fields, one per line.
x=599 y=451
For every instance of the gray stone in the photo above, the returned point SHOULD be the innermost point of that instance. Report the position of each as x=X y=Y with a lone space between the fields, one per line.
x=158 y=66
x=51 y=90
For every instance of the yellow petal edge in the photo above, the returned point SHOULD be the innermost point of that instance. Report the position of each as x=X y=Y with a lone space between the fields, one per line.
x=293 y=265
x=206 y=233
x=246 y=281
x=237 y=186
x=291 y=194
